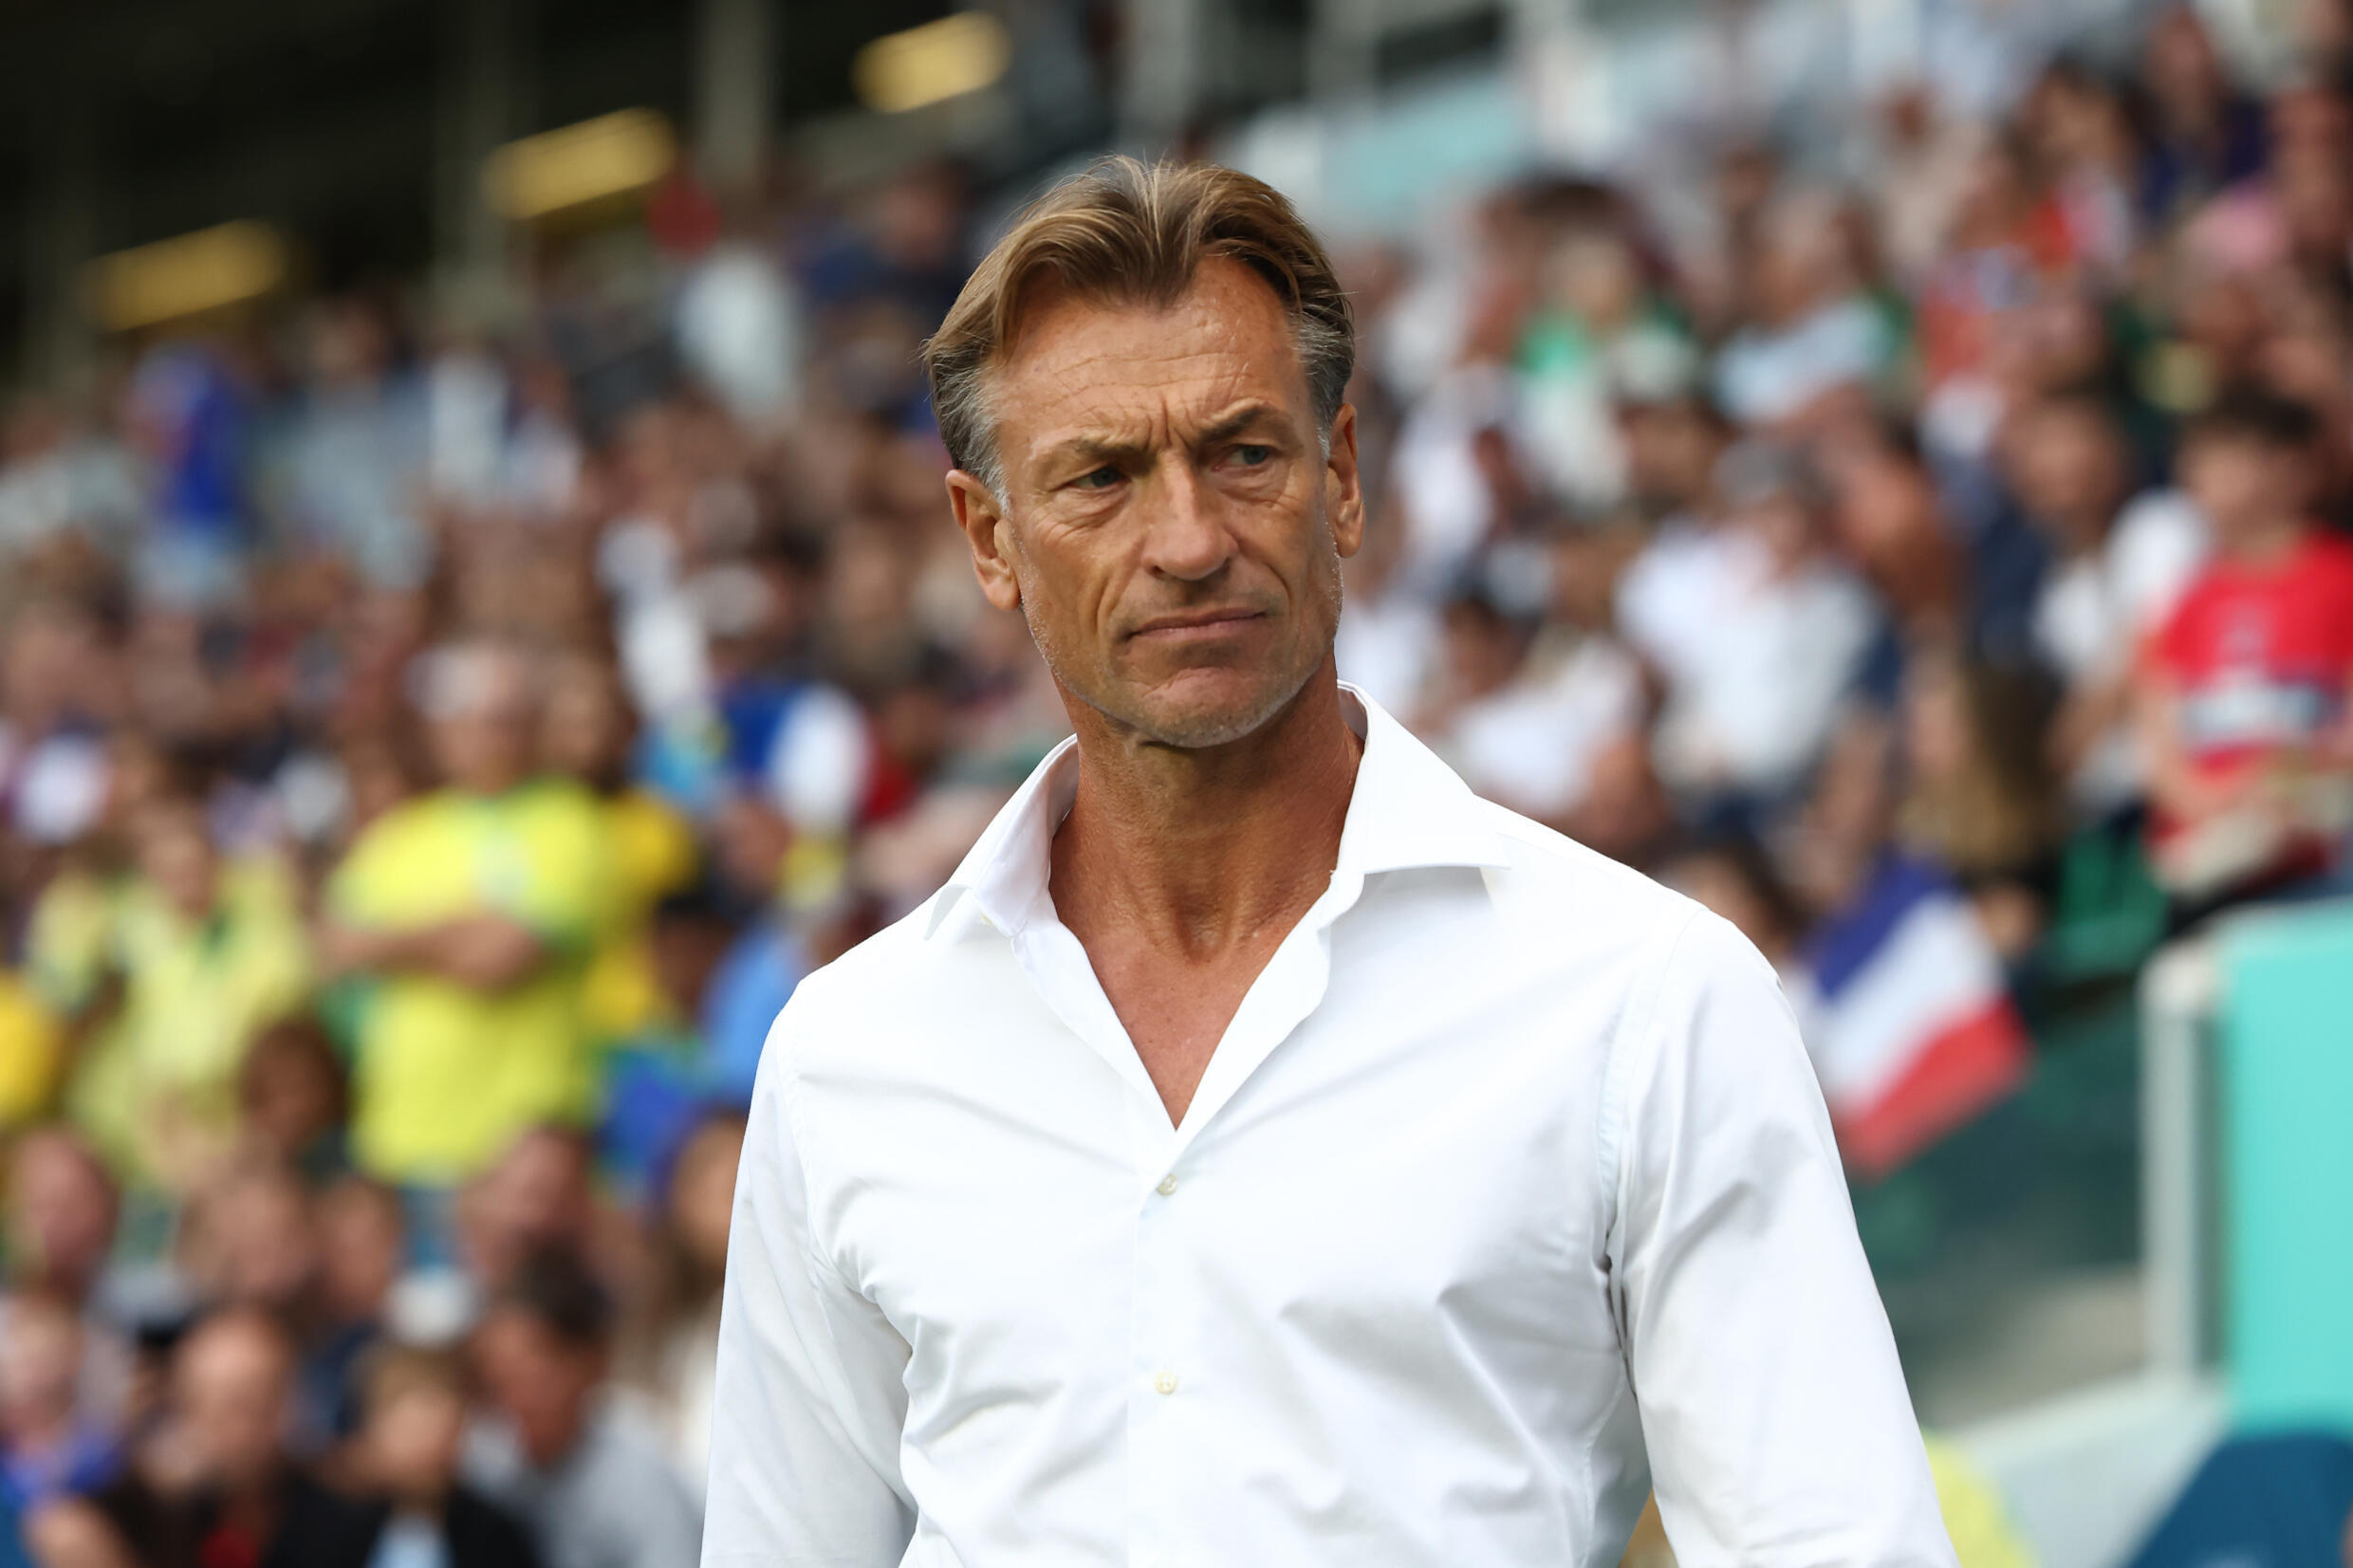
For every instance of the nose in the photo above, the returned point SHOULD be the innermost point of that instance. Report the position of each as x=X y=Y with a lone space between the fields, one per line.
x=1185 y=534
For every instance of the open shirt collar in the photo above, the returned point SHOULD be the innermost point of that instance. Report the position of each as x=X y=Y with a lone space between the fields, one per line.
x=1408 y=809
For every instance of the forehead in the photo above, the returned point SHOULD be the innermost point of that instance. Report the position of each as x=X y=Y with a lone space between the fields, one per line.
x=232 y=1353
x=1084 y=364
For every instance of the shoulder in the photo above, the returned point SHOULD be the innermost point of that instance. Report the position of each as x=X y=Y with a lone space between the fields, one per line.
x=1549 y=863
x=1592 y=910
x=566 y=804
x=483 y=1533
x=324 y=1526
x=900 y=969
x=407 y=822
x=1584 y=909
x=2331 y=556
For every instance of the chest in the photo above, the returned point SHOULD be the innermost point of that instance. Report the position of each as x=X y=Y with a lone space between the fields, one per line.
x=448 y=863
x=2285 y=628
x=1411 y=1168
x=1174 y=1011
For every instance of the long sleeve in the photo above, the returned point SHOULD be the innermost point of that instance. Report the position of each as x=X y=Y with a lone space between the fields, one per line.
x=805 y=1426
x=1774 y=1410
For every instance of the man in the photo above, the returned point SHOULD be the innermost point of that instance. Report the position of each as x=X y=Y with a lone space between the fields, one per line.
x=58 y=1234
x=2119 y=565
x=216 y=1485
x=409 y=1449
x=591 y=1482
x=469 y=914
x=1263 y=1150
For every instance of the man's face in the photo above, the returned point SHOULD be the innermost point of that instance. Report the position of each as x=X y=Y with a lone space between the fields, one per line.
x=539 y=1384
x=483 y=732
x=1171 y=526
x=62 y=1215
x=2066 y=468
x=233 y=1384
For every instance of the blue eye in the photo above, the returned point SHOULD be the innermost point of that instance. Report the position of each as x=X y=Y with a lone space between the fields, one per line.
x=1101 y=479
x=1250 y=456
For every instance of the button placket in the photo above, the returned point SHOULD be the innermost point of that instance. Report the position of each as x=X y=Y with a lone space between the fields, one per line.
x=1162 y=1320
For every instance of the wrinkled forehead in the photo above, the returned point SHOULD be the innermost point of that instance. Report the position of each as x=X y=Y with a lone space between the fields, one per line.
x=1087 y=365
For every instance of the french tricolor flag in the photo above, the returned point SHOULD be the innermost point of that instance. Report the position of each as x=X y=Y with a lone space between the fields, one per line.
x=1907 y=1015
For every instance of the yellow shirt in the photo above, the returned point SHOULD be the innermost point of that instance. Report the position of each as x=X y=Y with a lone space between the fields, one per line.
x=651 y=851
x=195 y=994
x=446 y=1075
x=30 y=1047
x=156 y=1088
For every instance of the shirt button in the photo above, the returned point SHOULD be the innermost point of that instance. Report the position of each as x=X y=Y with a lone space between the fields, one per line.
x=1165 y=1382
x=1168 y=1185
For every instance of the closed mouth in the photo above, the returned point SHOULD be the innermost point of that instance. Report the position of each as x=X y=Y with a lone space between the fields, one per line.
x=1207 y=622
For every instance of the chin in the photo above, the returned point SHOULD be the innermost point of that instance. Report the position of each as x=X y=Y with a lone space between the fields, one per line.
x=1207 y=708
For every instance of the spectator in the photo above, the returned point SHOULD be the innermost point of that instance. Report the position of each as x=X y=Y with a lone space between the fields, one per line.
x=671 y=1356
x=410 y=1443
x=1520 y=731
x=1982 y=800
x=363 y=1251
x=1743 y=721
x=592 y=1483
x=586 y=735
x=2207 y=135
x=216 y=1485
x=49 y=1446
x=209 y=953
x=2243 y=693
x=662 y=1077
x=470 y=912
x=1813 y=332
x=1734 y=877
x=537 y=1198
x=250 y=1240
x=292 y=1099
x=61 y=1209
x=2118 y=569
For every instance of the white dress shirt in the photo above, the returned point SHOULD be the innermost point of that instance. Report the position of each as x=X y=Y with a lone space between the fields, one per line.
x=1507 y=1195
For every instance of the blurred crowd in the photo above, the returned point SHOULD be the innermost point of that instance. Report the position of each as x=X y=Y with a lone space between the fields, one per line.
x=431 y=749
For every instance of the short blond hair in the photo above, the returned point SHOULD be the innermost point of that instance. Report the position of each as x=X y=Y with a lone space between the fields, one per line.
x=1135 y=233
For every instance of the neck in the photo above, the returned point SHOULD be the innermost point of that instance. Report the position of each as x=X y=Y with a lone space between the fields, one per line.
x=2264 y=542
x=1206 y=848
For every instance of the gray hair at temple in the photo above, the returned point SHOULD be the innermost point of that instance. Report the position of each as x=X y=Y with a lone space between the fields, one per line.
x=1134 y=233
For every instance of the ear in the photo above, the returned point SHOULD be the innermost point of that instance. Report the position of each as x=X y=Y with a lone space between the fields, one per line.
x=1343 y=488
x=986 y=530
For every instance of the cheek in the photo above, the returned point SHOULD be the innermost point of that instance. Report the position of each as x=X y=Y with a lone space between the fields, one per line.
x=1070 y=581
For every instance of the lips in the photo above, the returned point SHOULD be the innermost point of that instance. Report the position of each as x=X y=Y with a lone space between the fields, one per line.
x=1198 y=623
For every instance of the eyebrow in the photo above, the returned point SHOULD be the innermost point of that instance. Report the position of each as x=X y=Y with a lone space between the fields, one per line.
x=1112 y=448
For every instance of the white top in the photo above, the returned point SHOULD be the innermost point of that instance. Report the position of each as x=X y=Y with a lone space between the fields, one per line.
x=1757 y=700
x=1534 y=742
x=2097 y=609
x=1510 y=1168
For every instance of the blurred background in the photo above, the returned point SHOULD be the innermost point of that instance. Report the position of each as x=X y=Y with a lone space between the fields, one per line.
x=478 y=622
